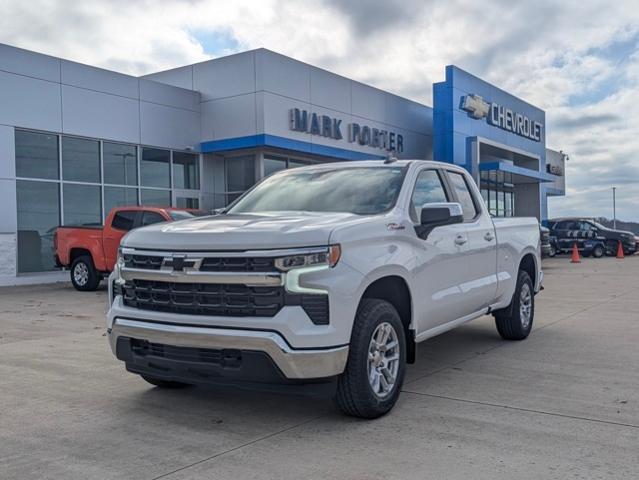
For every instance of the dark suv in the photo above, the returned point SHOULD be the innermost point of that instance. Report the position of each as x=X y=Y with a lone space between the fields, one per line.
x=591 y=237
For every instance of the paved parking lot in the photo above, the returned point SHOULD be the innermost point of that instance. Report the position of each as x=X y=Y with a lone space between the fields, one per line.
x=562 y=404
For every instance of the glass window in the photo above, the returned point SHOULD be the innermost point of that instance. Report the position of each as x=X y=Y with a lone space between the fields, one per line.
x=500 y=203
x=120 y=164
x=149 y=218
x=492 y=204
x=154 y=168
x=80 y=159
x=295 y=164
x=82 y=205
x=428 y=189
x=240 y=173
x=509 y=204
x=124 y=220
x=158 y=198
x=119 y=197
x=185 y=202
x=38 y=217
x=273 y=164
x=37 y=155
x=572 y=225
x=358 y=190
x=186 y=171
x=463 y=195
x=484 y=195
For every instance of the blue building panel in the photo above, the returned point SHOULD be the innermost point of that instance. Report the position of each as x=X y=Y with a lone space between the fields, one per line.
x=448 y=96
x=468 y=109
x=275 y=141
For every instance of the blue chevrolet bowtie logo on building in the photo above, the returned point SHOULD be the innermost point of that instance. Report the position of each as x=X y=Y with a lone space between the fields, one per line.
x=476 y=106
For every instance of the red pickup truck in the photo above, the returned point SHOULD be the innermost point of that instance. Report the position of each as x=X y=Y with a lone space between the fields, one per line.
x=91 y=251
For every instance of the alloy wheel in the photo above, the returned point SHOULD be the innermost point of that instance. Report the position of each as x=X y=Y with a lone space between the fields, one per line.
x=383 y=360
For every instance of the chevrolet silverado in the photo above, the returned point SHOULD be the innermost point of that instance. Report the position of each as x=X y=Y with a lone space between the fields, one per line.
x=326 y=273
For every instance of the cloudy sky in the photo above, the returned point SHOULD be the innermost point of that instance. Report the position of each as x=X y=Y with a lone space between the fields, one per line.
x=578 y=60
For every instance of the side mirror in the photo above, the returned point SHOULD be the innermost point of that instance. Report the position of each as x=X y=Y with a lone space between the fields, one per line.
x=217 y=211
x=437 y=215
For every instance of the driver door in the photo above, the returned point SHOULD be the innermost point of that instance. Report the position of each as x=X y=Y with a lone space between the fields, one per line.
x=440 y=259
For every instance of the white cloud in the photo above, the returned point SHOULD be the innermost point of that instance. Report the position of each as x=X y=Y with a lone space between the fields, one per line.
x=575 y=59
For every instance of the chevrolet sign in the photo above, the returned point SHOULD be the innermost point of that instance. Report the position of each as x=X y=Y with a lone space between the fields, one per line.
x=502 y=117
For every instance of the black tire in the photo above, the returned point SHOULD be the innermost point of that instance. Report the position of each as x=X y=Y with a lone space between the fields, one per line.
x=164 y=383
x=598 y=251
x=355 y=395
x=84 y=276
x=510 y=322
x=553 y=252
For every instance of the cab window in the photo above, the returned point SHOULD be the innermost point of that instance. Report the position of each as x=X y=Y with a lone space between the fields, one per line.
x=149 y=218
x=464 y=196
x=124 y=220
x=428 y=189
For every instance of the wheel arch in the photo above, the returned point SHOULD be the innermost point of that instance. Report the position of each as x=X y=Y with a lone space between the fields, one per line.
x=76 y=252
x=528 y=264
x=395 y=290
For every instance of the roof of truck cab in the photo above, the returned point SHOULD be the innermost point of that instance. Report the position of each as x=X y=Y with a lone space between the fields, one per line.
x=378 y=163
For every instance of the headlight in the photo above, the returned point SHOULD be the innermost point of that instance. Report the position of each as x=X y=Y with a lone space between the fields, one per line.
x=120 y=259
x=119 y=264
x=329 y=257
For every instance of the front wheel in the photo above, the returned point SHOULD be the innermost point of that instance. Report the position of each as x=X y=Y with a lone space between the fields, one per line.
x=374 y=374
x=84 y=276
x=515 y=321
x=598 y=251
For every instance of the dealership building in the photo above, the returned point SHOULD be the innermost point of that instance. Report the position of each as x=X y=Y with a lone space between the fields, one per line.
x=77 y=140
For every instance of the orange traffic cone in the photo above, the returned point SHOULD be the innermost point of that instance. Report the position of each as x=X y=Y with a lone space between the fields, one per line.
x=575 y=254
x=619 y=250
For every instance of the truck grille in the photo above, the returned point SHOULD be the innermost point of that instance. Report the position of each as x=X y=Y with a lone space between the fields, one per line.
x=145 y=262
x=225 y=358
x=238 y=264
x=204 y=299
x=209 y=264
x=221 y=299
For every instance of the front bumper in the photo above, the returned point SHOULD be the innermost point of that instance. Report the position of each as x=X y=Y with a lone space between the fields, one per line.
x=294 y=364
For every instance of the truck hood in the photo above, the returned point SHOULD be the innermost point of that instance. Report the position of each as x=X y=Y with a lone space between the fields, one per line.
x=240 y=232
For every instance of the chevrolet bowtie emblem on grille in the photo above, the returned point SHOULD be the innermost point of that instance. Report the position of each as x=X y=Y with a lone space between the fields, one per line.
x=475 y=105
x=177 y=264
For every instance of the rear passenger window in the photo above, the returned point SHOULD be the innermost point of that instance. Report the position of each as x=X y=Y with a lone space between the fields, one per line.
x=428 y=189
x=464 y=196
x=149 y=218
x=123 y=220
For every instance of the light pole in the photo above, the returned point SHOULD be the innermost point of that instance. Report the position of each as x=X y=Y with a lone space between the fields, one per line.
x=614 y=208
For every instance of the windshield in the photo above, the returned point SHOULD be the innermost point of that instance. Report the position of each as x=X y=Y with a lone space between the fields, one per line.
x=180 y=215
x=362 y=191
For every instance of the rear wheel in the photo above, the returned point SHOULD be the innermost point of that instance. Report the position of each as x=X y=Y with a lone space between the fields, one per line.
x=515 y=321
x=84 y=276
x=598 y=251
x=164 y=383
x=372 y=380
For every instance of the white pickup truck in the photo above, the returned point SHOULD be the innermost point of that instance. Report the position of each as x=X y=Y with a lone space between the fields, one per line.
x=331 y=272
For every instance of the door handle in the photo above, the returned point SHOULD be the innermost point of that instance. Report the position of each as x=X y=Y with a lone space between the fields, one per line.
x=460 y=240
x=489 y=237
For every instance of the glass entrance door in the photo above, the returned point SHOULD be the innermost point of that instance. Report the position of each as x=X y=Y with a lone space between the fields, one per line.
x=497 y=191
